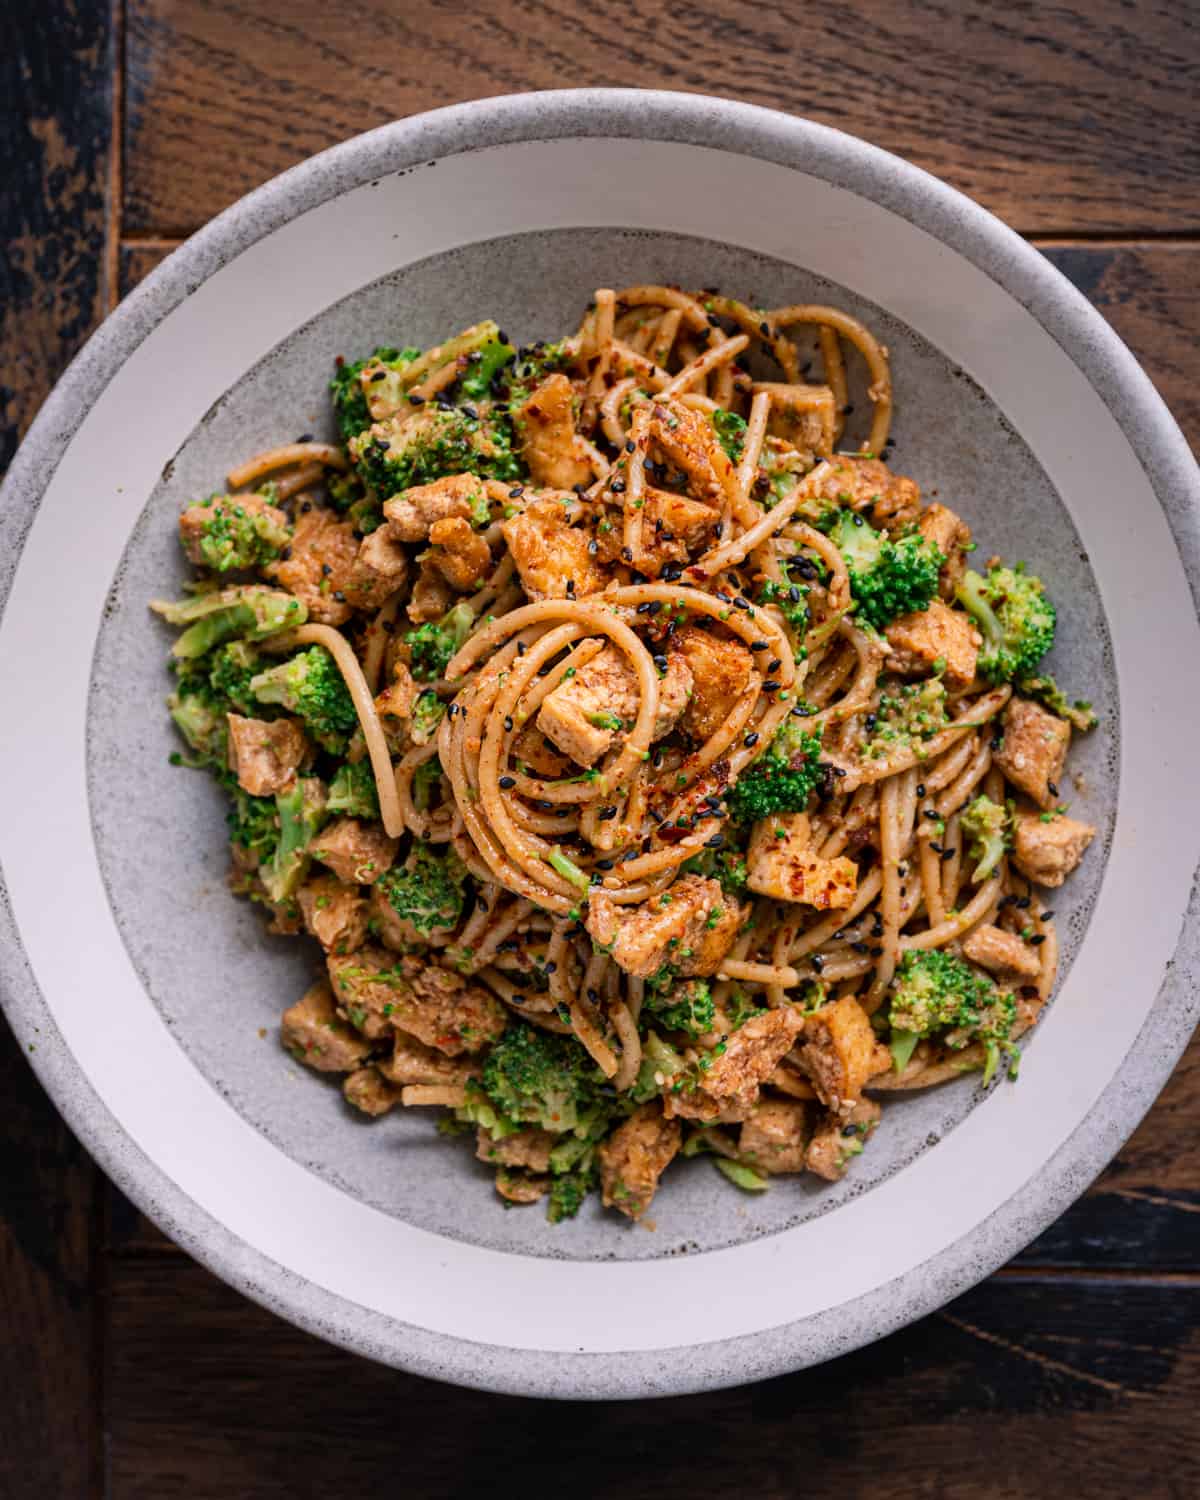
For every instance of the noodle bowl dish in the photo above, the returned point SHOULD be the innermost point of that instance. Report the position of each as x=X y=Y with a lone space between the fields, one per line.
x=620 y=756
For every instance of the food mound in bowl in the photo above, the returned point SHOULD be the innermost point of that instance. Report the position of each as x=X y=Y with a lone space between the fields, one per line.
x=653 y=770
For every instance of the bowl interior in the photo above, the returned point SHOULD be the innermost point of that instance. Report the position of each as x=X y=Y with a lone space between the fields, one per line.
x=220 y=981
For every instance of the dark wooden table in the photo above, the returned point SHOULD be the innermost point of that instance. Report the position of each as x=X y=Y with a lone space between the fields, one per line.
x=129 y=1372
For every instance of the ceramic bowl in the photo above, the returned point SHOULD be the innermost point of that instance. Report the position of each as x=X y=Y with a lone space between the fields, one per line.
x=148 y=999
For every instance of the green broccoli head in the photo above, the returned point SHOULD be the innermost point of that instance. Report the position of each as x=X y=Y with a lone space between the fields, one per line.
x=310 y=684
x=782 y=780
x=352 y=791
x=380 y=375
x=231 y=668
x=731 y=433
x=233 y=533
x=544 y=1079
x=253 y=823
x=661 y=1066
x=302 y=812
x=484 y=377
x=427 y=715
x=728 y=866
x=200 y=719
x=681 y=1007
x=907 y=713
x=1044 y=690
x=428 y=891
x=988 y=825
x=888 y=578
x=1015 y=617
x=790 y=598
x=418 y=447
x=433 y=644
x=249 y=610
x=568 y=1191
x=533 y=364
x=935 y=991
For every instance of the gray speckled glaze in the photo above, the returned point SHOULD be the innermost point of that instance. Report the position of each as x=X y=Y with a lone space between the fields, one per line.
x=150 y=560
x=170 y=898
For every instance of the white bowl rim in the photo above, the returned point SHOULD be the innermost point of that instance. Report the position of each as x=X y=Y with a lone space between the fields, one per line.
x=1091 y=345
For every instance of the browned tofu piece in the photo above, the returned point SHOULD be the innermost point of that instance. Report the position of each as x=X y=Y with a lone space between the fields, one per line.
x=869 y=486
x=733 y=1082
x=935 y=634
x=775 y=1137
x=265 y=755
x=1002 y=953
x=550 y=553
x=459 y=554
x=635 y=1156
x=1034 y=750
x=780 y=863
x=674 y=529
x=412 y=512
x=840 y=1052
x=1046 y=853
x=838 y=1139
x=412 y=1061
x=720 y=668
x=314 y=1034
x=196 y=519
x=687 y=438
x=356 y=852
x=334 y=913
x=951 y=535
x=584 y=713
x=672 y=928
x=438 y=1007
x=431 y=597
x=367 y=1091
x=529 y=1149
x=519 y=1187
x=545 y=428
x=324 y=571
x=381 y=554
x=397 y=699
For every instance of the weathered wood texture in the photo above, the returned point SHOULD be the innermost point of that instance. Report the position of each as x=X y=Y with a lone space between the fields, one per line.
x=56 y=70
x=1017 y=1391
x=1074 y=116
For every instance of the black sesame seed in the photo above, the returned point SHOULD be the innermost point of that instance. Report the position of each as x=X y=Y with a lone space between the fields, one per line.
x=774 y=664
x=1022 y=903
x=630 y=446
x=949 y=853
x=846 y=410
x=626 y=554
x=507 y=781
x=920 y=788
x=765 y=330
x=671 y=572
x=759 y=645
x=1037 y=940
x=740 y=603
x=508 y=723
x=502 y=336
x=516 y=492
x=1052 y=788
x=818 y=962
x=716 y=842
x=751 y=739
x=593 y=547
x=617 y=486
x=606 y=814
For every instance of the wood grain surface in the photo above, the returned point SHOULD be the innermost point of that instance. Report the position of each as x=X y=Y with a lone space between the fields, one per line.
x=134 y=1375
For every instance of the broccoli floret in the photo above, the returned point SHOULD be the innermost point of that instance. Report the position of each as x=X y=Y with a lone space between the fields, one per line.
x=887 y=578
x=427 y=890
x=1044 y=690
x=731 y=433
x=234 y=536
x=568 y=1191
x=425 y=782
x=907 y=713
x=253 y=822
x=782 y=780
x=438 y=440
x=484 y=370
x=433 y=644
x=311 y=685
x=988 y=825
x=661 y=1065
x=728 y=866
x=532 y=365
x=544 y=1079
x=233 y=665
x=302 y=813
x=933 y=991
x=682 y=1007
x=1015 y=617
x=200 y=718
x=350 y=408
x=790 y=598
x=428 y=713
x=352 y=791
x=248 y=610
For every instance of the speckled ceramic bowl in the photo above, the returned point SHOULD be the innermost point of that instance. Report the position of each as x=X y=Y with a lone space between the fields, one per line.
x=148 y=999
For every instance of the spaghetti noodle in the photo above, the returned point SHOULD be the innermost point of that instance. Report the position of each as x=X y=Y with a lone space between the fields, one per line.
x=651 y=768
